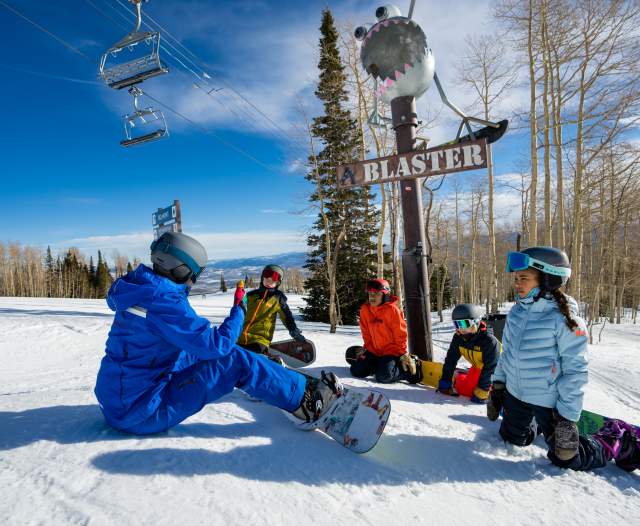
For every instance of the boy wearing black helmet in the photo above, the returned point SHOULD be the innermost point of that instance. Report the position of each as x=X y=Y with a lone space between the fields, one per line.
x=163 y=362
x=264 y=304
x=478 y=346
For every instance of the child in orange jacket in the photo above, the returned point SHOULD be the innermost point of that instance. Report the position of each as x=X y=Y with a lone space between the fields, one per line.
x=384 y=331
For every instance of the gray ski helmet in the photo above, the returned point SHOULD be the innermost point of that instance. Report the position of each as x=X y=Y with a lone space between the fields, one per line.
x=551 y=256
x=178 y=257
x=467 y=311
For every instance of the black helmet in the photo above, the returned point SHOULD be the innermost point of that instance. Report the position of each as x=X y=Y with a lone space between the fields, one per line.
x=552 y=263
x=270 y=270
x=467 y=311
x=178 y=257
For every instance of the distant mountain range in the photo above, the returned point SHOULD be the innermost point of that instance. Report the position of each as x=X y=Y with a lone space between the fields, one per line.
x=235 y=269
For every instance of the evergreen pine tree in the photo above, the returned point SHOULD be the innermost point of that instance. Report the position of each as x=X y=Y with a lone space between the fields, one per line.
x=103 y=278
x=49 y=272
x=129 y=267
x=350 y=217
x=223 y=284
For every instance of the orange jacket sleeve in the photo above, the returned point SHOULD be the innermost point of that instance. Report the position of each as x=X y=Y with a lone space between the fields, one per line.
x=364 y=327
x=399 y=329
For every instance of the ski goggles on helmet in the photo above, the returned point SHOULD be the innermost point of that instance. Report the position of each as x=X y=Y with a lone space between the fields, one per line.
x=464 y=324
x=272 y=274
x=376 y=285
x=519 y=261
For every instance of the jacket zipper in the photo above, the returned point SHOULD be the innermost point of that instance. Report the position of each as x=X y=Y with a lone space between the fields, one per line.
x=255 y=313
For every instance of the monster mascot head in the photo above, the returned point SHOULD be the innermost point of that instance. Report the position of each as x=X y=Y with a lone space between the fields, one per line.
x=394 y=52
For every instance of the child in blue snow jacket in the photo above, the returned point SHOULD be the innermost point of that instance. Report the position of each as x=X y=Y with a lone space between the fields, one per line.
x=163 y=362
x=539 y=381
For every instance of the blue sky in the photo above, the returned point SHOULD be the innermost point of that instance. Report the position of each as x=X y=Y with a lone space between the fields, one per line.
x=66 y=180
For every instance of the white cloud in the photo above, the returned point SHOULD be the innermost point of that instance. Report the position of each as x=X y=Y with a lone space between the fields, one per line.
x=219 y=245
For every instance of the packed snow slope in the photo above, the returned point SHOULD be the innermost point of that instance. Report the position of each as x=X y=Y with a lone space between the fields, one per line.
x=239 y=462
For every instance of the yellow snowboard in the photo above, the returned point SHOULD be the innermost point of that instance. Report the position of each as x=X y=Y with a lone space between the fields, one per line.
x=431 y=373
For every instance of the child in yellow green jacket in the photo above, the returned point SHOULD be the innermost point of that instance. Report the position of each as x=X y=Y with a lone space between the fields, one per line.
x=263 y=305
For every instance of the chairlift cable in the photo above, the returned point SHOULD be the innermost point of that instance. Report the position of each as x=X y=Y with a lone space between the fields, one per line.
x=46 y=31
x=209 y=132
x=50 y=76
x=71 y=47
x=222 y=81
x=207 y=89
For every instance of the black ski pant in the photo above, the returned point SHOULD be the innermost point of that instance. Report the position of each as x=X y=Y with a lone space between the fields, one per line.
x=386 y=369
x=521 y=422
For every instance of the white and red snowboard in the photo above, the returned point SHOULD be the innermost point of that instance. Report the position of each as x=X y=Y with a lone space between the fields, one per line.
x=356 y=419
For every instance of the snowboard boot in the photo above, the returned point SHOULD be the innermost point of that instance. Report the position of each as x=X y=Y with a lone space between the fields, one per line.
x=353 y=354
x=318 y=396
x=621 y=444
x=412 y=366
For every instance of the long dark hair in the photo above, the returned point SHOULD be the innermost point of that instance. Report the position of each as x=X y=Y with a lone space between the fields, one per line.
x=561 y=300
x=563 y=305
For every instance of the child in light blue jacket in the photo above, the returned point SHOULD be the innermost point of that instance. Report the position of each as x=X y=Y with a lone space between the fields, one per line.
x=539 y=381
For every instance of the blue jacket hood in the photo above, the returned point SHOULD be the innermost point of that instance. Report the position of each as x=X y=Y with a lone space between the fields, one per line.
x=138 y=287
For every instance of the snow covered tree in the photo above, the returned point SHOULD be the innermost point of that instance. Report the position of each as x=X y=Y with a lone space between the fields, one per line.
x=342 y=255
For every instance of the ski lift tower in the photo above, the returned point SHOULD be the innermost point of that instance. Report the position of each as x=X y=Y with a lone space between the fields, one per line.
x=395 y=53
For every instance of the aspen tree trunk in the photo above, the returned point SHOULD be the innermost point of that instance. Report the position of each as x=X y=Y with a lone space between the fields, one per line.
x=533 y=221
x=548 y=222
x=556 y=102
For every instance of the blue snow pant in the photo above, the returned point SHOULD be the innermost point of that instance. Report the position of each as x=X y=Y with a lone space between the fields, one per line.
x=386 y=369
x=201 y=382
x=522 y=422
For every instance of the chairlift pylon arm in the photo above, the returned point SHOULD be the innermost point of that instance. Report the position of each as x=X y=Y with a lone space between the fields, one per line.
x=138 y=4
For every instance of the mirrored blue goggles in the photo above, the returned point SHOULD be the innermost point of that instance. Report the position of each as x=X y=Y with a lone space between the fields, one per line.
x=518 y=261
x=463 y=324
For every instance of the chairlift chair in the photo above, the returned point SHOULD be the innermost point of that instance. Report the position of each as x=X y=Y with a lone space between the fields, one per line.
x=143 y=125
x=134 y=58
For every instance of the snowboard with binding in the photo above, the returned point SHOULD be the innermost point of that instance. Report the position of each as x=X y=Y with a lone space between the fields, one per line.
x=356 y=419
x=294 y=353
x=590 y=423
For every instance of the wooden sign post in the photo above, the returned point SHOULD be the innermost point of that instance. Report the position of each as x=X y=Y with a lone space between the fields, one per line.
x=408 y=168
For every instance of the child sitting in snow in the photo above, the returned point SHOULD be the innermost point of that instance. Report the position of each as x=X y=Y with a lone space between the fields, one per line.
x=264 y=304
x=539 y=382
x=384 y=331
x=478 y=346
x=163 y=362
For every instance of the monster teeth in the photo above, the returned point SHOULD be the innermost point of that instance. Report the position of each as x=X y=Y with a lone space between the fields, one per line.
x=407 y=67
x=398 y=74
x=385 y=23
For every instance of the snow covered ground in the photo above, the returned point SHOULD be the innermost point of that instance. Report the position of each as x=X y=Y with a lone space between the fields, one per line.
x=440 y=460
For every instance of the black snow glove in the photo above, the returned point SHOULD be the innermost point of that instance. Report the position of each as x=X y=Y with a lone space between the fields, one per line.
x=565 y=438
x=297 y=336
x=496 y=400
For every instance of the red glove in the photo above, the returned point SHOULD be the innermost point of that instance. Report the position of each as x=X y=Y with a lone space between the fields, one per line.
x=239 y=296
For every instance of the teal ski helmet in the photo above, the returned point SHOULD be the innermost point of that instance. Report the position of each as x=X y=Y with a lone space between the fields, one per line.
x=552 y=263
